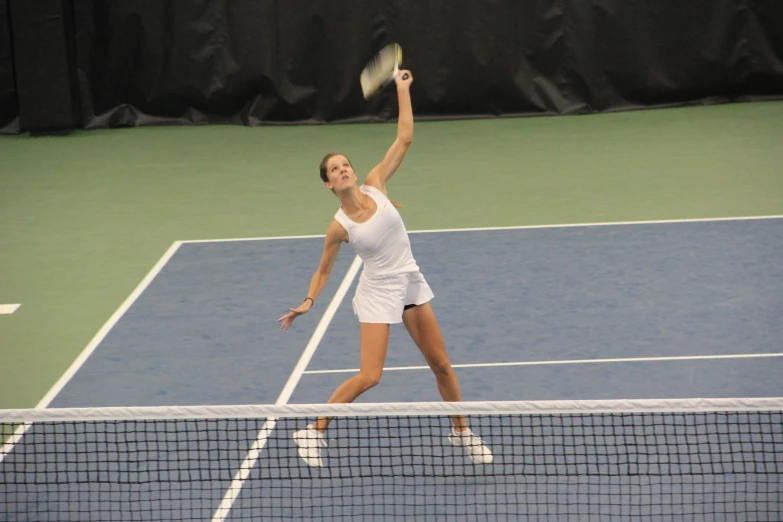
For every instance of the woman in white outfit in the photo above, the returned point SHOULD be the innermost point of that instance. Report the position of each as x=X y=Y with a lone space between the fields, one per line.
x=391 y=288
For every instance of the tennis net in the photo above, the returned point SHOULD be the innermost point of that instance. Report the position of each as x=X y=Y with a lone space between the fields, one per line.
x=689 y=459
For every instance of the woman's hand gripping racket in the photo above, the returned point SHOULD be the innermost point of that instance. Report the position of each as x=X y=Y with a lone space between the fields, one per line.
x=381 y=70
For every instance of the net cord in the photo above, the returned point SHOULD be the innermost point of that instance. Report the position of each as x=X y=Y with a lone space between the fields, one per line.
x=242 y=411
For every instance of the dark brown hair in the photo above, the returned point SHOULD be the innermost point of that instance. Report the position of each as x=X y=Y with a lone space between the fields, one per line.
x=325 y=176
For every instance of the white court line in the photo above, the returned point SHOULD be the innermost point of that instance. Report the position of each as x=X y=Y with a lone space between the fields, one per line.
x=519 y=227
x=267 y=238
x=9 y=308
x=574 y=361
x=263 y=435
x=93 y=344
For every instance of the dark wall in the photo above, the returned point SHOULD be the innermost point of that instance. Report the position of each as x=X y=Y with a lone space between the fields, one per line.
x=256 y=62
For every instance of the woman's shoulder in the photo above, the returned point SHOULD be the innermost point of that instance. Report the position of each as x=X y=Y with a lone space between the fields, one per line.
x=338 y=228
x=373 y=188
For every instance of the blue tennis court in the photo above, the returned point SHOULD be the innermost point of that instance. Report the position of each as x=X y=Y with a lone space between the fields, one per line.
x=665 y=310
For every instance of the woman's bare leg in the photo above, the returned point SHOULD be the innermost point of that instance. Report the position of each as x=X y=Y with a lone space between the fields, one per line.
x=374 y=343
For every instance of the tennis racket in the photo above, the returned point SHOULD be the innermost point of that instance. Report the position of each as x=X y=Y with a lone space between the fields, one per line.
x=381 y=70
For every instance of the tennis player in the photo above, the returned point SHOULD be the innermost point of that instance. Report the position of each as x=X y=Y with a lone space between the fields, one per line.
x=391 y=288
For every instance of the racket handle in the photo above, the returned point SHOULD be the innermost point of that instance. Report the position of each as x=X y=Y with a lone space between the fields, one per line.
x=405 y=76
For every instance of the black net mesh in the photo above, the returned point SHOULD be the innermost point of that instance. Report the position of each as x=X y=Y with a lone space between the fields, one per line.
x=700 y=465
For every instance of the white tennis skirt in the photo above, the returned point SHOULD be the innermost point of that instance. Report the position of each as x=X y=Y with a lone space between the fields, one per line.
x=382 y=301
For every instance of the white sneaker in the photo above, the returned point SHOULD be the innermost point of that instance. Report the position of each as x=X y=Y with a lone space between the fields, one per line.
x=310 y=442
x=473 y=444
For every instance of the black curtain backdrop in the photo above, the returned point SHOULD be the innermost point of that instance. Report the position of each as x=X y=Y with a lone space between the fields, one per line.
x=253 y=62
x=9 y=106
x=43 y=55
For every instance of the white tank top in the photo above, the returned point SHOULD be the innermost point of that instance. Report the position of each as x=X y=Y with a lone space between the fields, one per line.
x=382 y=241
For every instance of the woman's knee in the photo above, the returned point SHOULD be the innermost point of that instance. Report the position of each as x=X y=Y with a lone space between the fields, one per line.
x=369 y=379
x=441 y=366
